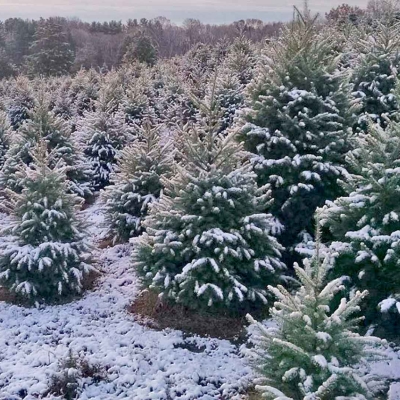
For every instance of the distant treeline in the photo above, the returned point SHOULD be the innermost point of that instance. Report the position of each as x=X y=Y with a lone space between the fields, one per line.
x=56 y=46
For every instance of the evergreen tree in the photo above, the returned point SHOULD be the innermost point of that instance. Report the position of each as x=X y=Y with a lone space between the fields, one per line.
x=365 y=224
x=312 y=350
x=103 y=134
x=55 y=132
x=136 y=102
x=241 y=59
x=46 y=257
x=138 y=182
x=297 y=127
x=21 y=102
x=207 y=241
x=83 y=91
x=5 y=136
x=226 y=90
x=51 y=53
x=375 y=74
x=141 y=49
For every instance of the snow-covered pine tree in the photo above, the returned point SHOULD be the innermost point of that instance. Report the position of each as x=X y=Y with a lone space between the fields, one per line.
x=138 y=182
x=297 y=126
x=21 y=101
x=375 y=74
x=46 y=256
x=241 y=59
x=365 y=224
x=44 y=125
x=227 y=91
x=312 y=349
x=208 y=243
x=5 y=136
x=136 y=102
x=103 y=134
x=83 y=91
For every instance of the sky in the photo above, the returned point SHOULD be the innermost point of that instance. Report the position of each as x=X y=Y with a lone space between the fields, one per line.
x=208 y=11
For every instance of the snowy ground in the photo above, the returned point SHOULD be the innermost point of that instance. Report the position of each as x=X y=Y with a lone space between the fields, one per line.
x=142 y=364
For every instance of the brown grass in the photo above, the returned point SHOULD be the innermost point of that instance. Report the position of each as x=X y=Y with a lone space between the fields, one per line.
x=252 y=394
x=105 y=243
x=157 y=314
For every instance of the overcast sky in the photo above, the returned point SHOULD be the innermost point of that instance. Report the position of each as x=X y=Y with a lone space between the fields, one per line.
x=212 y=11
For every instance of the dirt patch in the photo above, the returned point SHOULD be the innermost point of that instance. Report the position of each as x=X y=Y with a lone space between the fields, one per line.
x=6 y=296
x=157 y=314
x=105 y=243
x=252 y=394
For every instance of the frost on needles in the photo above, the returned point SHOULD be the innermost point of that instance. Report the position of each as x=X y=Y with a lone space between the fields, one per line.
x=312 y=350
x=208 y=242
x=45 y=256
x=297 y=126
x=138 y=182
x=365 y=224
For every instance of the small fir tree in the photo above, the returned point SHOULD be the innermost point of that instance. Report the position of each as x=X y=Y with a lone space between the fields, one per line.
x=227 y=92
x=312 y=351
x=21 y=101
x=375 y=75
x=207 y=241
x=297 y=127
x=138 y=182
x=45 y=126
x=103 y=134
x=5 y=136
x=241 y=59
x=365 y=224
x=46 y=256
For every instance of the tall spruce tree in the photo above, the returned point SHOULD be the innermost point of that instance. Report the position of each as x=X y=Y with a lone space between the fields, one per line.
x=208 y=243
x=50 y=53
x=46 y=256
x=297 y=126
x=45 y=126
x=138 y=182
x=365 y=225
x=375 y=74
x=312 y=350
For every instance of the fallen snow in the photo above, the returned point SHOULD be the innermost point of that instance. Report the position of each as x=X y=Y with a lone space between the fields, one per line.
x=142 y=363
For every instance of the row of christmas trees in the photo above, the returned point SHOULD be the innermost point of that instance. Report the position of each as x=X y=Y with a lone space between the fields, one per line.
x=319 y=124
x=222 y=207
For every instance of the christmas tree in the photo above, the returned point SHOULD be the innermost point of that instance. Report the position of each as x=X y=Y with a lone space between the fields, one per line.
x=103 y=134
x=312 y=350
x=46 y=256
x=227 y=92
x=21 y=101
x=365 y=224
x=138 y=182
x=297 y=127
x=45 y=126
x=208 y=243
x=375 y=74
x=5 y=136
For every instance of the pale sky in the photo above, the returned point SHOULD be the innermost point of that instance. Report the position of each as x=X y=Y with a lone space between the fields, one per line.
x=211 y=11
